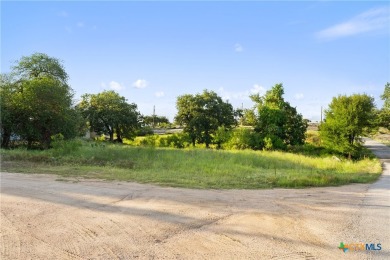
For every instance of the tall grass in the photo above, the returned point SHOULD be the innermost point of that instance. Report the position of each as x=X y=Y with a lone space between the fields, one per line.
x=193 y=168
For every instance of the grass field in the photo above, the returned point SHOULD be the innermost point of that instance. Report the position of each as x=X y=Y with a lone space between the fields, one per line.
x=191 y=168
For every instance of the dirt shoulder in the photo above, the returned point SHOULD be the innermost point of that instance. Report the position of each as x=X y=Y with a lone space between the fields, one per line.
x=45 y=218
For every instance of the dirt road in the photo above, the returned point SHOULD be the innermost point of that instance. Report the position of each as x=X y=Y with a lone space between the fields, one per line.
x=44 y=218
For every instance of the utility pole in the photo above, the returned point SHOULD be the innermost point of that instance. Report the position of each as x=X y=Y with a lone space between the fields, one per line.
x=154 y=114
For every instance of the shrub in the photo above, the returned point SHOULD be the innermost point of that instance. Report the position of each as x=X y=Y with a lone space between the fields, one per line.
x=149 y=140
x=244 y=138
x=180 y=140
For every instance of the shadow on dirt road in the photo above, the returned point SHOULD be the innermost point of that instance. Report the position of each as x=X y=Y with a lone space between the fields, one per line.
x=42 y=218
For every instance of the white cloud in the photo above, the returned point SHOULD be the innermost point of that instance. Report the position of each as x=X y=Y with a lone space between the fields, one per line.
x=372 y=20
x=159 y=94
x=241 y=95
x=299 y=96
x=116 y=86
x=257 y=89
x=140 y=83
x=80 y=24
x=238 y=47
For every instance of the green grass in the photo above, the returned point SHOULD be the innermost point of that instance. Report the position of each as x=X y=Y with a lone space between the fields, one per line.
x=191 y=168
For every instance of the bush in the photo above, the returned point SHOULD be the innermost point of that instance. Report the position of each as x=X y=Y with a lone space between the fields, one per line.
x=272 y=142
x=222 y=135
x=244 y=138
x=313 y=137
x=64 y=147
x=181 y=140
x=149 y=140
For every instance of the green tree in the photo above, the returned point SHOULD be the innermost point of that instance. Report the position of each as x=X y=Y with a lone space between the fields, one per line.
x=8 y=114
x=384 y=113
x=40 y=65
x=45 y=109
x=37 y=101
x=346 y=120
x=278 y=122
x=202 y=114
x=386 y=96
x=109 y=113
x=249 y=117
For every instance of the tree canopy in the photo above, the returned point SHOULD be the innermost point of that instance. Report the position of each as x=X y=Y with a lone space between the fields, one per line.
x=386 y=96
x=36 y=102
x=346 y=120
x=40 y=65
x=202 y=114
x=384 y=113
x=109 y=113
x=278 y=123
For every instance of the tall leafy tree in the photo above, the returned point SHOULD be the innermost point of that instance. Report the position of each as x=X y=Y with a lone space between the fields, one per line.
x=45 y=107
x=386 y=96
x=9 y=117
x=248 y=117
x=37 y=101
x=40 y=65
x=347 y=119
x=278 y=122
x=384 y=113
x=109 y=113
x=202 y=114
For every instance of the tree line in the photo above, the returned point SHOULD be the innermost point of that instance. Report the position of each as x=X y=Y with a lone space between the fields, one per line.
x=37 y=104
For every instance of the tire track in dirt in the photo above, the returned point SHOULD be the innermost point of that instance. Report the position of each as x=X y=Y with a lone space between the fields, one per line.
x=25 y=234
x=10 y=240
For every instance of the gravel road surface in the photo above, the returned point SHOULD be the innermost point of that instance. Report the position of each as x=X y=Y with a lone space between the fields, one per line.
x=43 y=217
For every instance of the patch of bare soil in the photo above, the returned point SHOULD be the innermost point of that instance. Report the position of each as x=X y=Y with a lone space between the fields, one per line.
x=45 y=218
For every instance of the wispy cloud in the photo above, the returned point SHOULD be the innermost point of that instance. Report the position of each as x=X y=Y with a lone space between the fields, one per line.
x=257 y=89
x=68 y=29
x=63 y=14
x=299 y=96
x=112 y=85
x=372 y=20
x=159 y=94
x=140 y=83
x=241 y=95
x=80 y=24
x=238 y=47
x=116 y=86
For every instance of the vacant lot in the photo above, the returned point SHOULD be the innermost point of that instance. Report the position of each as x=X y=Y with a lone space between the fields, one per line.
x=194 y=168
x=45 y=218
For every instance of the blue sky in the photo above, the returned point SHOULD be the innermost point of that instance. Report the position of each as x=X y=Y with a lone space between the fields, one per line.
x=152 y=52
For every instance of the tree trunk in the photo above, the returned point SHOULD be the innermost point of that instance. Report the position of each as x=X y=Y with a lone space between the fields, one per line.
x=6 y=137
x=111 y=136
x=119 y=137
x=207 y=139
x=46 y=139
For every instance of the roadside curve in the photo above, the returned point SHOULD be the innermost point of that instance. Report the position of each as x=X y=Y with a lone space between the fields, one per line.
x=374 y=218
